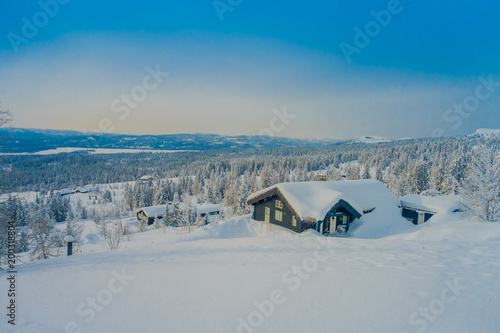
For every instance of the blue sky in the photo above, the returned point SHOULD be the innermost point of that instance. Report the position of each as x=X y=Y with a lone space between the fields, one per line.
x=227 y=76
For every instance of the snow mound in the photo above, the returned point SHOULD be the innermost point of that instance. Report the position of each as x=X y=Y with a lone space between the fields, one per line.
x=241 y=227
x=384 y=221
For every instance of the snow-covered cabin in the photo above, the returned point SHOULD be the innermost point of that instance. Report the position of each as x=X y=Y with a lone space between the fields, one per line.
x=210 y=213
x=87 y=189
x=327 y=207
x=418 y=209
x=66 y=192
x=146 y=178
x=148 y=214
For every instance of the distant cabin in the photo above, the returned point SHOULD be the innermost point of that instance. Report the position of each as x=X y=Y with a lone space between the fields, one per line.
x=87 y=189
x=146 y=178
x=326 y=206
x=208 y=212
x=419 y=209
x=66 y=192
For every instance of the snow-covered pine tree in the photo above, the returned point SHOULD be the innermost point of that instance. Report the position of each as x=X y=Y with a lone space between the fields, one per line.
x=419 y=177
x=44 y=238
x=480 y=190
x=107 y=197
x=437 y=177
x=141 y=226
x=156 y=223
x=173 y=215
x=366 y=172
x=191 y=217
x=58 y=208
x=353 y=172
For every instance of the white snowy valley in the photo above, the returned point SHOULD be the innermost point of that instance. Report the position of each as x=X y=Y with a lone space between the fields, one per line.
x=241 y=275
x=382 y=237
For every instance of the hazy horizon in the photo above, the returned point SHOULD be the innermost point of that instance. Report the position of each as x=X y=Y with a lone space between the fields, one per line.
x=227 y=76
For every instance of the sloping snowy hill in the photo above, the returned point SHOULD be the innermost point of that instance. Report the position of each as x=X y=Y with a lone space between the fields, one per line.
x=439 y=277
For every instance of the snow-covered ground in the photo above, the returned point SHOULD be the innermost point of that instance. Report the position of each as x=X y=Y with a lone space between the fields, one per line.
x=247 y=276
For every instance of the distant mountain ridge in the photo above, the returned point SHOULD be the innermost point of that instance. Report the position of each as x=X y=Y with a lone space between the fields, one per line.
x=370 y=139
x=487 y=133
x=21 y=140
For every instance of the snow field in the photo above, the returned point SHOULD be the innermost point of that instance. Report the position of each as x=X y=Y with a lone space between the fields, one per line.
x=241 y=276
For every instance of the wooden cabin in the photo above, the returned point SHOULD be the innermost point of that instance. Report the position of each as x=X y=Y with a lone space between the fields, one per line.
x=66 y=192
x=327 y=207
x=419 y=209
x=148 y=214
x=146 y=179
x=208 y=212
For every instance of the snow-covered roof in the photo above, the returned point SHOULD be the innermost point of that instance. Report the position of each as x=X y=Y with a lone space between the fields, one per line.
x=208 y=208
x=68 y=239
x=87 y=188
x=153 y=211
x=160 y=210
x=66 y=192
x=315 y=199
x=439 y=204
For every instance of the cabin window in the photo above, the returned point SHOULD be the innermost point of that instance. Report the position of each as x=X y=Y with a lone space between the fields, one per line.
x=294 y=221
x=279 y=216
x=344 y=219
x=279 y=204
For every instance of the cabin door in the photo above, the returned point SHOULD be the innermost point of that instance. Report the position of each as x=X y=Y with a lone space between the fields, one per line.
x=267 y=217
x=421 y=218
x=328 y=224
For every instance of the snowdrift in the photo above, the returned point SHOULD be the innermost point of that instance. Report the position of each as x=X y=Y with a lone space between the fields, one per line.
x=384 y=221
x=240 y=227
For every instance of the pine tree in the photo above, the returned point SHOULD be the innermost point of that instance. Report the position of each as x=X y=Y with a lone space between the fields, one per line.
x=480 y=189
x=366 y=172
x=156 y=223
x=419 y=177
x=44 y=238
x=437 y=177
x=107 y=197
